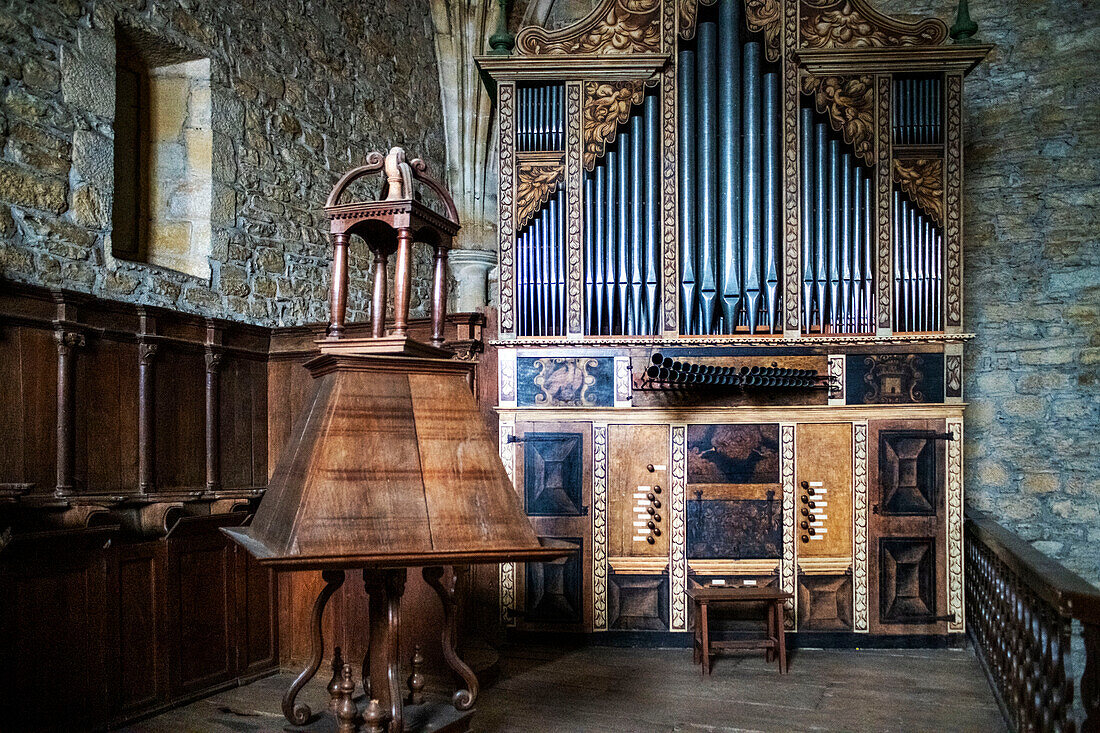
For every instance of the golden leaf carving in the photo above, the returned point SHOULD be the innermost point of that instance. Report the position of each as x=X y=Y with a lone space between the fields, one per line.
x=848 y=101
x=764 y=16
x=689 y=10
x=615 y=26
x=855 y=24
x=536 y=182
x=606 y=106
x=922 y=181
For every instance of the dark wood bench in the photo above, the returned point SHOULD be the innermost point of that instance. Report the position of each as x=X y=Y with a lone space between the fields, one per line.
x=774 y=643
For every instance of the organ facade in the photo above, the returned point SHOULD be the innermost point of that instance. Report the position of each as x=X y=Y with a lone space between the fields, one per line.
x=731 y=332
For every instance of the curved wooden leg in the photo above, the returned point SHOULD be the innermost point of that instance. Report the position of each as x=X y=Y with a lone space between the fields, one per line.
x=462 y=699
x=385 y=588
x=300 y=714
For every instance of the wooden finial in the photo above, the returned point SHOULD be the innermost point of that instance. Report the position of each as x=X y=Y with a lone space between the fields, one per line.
x=373 y=717
x=398 y=175
x=416 y=679
x=347 y=715
x=502 y=42
x=334 y=683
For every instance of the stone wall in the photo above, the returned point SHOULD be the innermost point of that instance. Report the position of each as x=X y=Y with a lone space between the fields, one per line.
x=300 y=90
x=1032 y=268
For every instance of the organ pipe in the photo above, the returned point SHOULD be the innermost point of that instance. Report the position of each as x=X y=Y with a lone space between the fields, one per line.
x=731 y=96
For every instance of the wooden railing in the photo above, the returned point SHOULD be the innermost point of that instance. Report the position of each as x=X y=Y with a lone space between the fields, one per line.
x=1020 y=609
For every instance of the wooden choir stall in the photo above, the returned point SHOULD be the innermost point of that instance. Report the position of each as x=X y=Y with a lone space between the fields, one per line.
x=390 y=467
x=731 y=331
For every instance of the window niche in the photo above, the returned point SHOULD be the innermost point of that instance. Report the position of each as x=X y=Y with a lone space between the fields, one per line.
x=163 y=160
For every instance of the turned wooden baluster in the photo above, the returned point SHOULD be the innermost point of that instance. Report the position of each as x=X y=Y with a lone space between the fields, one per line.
x=334 y=683
x=378 y=302
x=416 y=679
x=402 y=282
x=347 y=715
x=300 y=714
x=339 y=285
x=445 y=589
x=439 y=295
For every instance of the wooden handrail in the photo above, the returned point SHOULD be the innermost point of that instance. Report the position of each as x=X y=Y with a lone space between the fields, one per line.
x=1070 y=594
x=1020 y=608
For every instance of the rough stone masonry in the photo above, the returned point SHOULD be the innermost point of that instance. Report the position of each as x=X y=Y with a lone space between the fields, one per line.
x=301 y=90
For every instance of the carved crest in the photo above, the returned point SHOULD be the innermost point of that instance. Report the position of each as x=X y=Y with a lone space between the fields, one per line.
x=893 y=379
x=848 y=101
x=565 y=381
x=922 y=181
x=616 y=26
x=855 y=24
x=536 y=182
x=606 y=106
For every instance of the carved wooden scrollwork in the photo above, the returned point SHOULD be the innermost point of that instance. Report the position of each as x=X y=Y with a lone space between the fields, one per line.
x=536 y=182
x=849 y=103
x=616 y=26
x=761 y=16
x=922 y=181
x=606 y=106
x=764 y=16
x=854 y=24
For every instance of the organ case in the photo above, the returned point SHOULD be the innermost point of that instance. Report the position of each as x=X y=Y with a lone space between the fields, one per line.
x=748 y=192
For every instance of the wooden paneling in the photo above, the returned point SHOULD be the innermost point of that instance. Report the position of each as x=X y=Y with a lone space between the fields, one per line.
x=180 y=378
x=137 y=587
x=106 y=421
x=631 y=449
x=243 y=399
x=823 y=464
x=28 y=407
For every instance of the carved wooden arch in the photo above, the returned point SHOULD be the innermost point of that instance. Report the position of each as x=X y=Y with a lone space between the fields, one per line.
x=761 y=16
x=375 y=163
x=855 y=24
x=613 y=27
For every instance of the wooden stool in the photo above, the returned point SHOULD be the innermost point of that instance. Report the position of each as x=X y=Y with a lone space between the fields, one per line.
x=774 y=643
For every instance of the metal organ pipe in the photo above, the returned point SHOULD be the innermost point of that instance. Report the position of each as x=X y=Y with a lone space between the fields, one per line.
x=651 y=309
x=685 y=88
x=750 y=182
x=732 y=94
x=772 y=194
x=706 y=171
x=807 y=166
x=637 y=217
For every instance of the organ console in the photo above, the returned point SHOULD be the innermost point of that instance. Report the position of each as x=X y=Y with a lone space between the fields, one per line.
x=731 y=328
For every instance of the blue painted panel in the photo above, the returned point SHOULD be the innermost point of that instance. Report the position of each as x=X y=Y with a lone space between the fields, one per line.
x=894 y=379
x=734 y=528
x=565 y=381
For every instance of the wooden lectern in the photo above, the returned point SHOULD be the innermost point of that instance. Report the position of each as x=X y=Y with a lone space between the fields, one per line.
x=391 y=465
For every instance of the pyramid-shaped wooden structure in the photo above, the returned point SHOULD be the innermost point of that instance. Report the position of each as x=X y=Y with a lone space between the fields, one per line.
x=390 y=464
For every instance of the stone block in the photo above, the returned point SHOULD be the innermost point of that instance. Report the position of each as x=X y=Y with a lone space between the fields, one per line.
x=91 y=208
x=94 y=158
x=87 y=82
x=24 y=187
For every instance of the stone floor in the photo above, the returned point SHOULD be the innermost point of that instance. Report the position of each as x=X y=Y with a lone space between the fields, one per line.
x=615 y=689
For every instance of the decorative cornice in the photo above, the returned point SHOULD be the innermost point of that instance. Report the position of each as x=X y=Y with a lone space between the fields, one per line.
x=606 y=106
x=855 y=24
x=922 y=181
x=848 y=102
x=614 y=27
x=536 y=182
x=805 y=340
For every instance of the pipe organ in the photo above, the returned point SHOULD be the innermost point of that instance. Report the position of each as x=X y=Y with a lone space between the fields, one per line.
x=731 y=332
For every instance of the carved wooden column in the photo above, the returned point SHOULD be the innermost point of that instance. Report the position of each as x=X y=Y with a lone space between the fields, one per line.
x=213 y=468
x=339 y=301
x=439 y=295
x=402 y=280
x=67 y=343
x=147 y=470
x=378 y=302
x=385 y=588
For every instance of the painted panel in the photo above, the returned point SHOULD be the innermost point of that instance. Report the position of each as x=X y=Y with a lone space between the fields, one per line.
x=907 y=579
x=733 y=454
x=734 y=528
x=825 y=602
x=572 y=381
x=552 y=474
x=824 y=476
x=555 y=589
x=638 y=602
x=894 y=379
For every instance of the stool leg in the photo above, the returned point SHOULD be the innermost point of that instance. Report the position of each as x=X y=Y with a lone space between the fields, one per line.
x=769 y=652
x=696 y=639
x=706 y=642
x=782 y=633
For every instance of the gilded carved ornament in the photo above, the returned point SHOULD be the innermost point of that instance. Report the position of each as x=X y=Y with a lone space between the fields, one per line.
x=536 y=182
x=761 y=16
x=855 y=24
x=606 y=106
x=922 y=181
x=615 y=26
x=848 y=101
